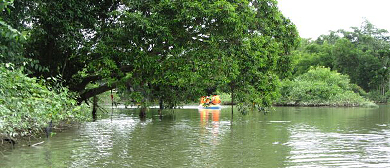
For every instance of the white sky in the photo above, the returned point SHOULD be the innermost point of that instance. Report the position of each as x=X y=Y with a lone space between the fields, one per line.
x=316 y=17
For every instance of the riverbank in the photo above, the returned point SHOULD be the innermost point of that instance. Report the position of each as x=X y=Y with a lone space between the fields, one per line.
x=307 y=104
x=9 y=143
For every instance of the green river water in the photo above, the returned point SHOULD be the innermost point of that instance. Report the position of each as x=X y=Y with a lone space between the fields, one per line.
x=285 y=137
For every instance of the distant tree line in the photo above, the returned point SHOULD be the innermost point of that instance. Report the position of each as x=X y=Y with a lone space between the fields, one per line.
x=362 y=53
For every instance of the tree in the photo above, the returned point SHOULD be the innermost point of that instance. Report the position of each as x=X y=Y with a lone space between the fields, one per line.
x=169 y=51
x=262 y=57
x=362 y=54
x=374 y=45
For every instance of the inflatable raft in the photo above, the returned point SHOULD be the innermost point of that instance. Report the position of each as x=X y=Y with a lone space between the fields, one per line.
x=214 y=107
x=210 y=102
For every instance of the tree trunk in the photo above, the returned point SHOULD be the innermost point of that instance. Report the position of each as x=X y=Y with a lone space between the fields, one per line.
x=49 y=128
x=161 y=103
x=232 y=97
x=142 y=112
x=383 y=86
x=161 y=108
x=389 y=84
x=94 y=107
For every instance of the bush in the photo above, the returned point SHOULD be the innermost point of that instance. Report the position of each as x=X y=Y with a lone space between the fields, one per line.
x=26 y=105
x=320 y=87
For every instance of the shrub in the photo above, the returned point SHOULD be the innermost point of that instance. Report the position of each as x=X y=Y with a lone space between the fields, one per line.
x=26 y=105
x=320 y=87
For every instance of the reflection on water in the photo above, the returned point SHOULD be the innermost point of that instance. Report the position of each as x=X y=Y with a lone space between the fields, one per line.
x=206 y=126
x=287 y=137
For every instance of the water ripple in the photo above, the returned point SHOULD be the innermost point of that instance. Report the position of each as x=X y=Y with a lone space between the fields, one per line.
x=312 y=147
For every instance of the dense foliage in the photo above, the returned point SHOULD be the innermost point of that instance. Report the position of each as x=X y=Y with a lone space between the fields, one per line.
x=165 y=51
x=27 y=106
x=363 y=54
x=320 y=87
x=11 y=40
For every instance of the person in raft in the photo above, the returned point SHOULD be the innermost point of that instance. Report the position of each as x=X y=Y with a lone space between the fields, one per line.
x=207 y=100
x=216 y=99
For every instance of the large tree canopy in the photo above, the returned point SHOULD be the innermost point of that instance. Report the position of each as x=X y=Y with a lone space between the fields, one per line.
x=164 y=50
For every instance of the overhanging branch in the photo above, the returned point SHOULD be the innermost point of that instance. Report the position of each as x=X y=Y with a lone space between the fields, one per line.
x=95 y=91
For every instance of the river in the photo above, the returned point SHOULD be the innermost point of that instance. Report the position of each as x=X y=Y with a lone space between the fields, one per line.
x=285 y=137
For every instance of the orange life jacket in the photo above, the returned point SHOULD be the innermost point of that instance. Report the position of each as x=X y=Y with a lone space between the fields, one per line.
x=216 y=99
x=207 y=100
x=202 y=100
